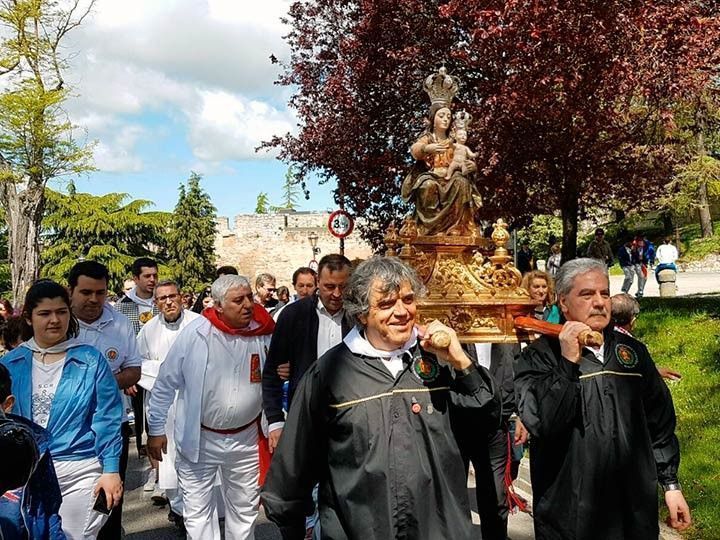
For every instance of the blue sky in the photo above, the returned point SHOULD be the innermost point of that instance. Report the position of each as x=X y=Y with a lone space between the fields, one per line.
x=169 y=86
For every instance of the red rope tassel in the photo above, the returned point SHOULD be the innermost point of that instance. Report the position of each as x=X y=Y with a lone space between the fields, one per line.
x=512 y=499
x=263 y=454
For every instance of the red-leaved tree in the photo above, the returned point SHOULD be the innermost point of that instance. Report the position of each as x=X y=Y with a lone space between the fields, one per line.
x=571 y=99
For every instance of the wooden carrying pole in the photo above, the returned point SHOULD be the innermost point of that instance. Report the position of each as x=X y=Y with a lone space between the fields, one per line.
x=587 y=338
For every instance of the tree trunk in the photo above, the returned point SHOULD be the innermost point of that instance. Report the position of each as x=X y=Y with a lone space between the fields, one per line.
x=706 y=225
x=569 y=212
x=23 y=213
x=668 y=226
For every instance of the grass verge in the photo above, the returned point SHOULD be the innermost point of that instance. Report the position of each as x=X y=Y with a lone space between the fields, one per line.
x=699 y=248
x=684 y=334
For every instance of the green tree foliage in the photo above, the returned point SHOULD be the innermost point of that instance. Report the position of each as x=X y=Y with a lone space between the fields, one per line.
x=539 y=233
x=262 y=206
x=104 y=228
x=191 y=239
x=36 y=140
x=290 y=191
x=701 y=170
x=696 y=140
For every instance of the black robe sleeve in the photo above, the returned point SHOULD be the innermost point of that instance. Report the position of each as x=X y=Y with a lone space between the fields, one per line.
x=296 y=464
x=476 y=390
x=547 y=387
x=660 y=414
x=272 y=384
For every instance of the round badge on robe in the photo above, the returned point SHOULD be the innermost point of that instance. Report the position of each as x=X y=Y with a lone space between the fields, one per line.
x=426 y=369
x=111 y=354
x=626 y=355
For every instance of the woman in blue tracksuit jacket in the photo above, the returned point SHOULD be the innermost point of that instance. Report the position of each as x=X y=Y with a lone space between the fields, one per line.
x=68 y=388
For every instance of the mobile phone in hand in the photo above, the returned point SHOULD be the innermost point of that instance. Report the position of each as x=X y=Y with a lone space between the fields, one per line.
x=101 y=504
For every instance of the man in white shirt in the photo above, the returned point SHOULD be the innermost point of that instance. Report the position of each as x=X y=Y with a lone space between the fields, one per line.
x=111 y=333
x=154 y=342
x=215 y=367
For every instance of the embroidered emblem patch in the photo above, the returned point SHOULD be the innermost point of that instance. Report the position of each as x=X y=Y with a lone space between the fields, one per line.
x=111 y=354
x=255 y=372
x=626 y=356
x=426 y=369
x=145 y=316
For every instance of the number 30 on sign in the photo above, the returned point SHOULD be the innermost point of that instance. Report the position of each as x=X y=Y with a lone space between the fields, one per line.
x=340 y=224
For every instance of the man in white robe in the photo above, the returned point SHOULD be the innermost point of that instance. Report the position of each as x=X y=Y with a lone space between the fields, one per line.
x=215 y=366
x=154 y=341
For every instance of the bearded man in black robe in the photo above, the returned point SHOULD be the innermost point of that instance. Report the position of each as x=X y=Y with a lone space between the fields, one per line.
x=601 y=423
x=370 y=423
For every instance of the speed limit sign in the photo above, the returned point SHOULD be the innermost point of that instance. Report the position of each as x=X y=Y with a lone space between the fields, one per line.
x=340 y=224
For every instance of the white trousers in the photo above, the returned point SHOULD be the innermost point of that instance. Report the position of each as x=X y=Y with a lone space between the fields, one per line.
x=167 y=477
x=77 y=480
x=235 y=458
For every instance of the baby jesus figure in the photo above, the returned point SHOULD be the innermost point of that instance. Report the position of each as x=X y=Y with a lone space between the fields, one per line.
x=461 y=154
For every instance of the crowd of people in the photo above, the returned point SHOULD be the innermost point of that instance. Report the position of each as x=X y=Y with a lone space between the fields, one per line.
x=636 y=256
x=333 y=408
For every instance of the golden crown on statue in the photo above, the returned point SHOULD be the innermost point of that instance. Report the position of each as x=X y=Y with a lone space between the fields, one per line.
x=463 y=119
x=441 y=87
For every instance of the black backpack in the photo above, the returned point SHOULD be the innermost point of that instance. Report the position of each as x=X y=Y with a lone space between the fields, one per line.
x=19 y=454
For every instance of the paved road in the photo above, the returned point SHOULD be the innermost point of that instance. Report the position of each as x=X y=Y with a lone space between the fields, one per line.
x=688 y=283
x=144 y=521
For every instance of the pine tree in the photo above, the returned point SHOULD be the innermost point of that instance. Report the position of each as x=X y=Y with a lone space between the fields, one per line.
x=99 y=227
x=191 y=240
x=262 y=205
x=291 y=191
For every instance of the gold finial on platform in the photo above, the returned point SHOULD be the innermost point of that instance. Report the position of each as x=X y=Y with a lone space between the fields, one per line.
x=500 y=236
x=391 y=240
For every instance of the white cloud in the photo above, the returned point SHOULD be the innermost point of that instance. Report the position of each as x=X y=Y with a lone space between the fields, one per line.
x=116 y=152
x=205 y=63
x=229 y=127
x=116 y=87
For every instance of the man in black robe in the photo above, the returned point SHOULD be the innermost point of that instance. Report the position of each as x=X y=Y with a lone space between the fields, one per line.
x=370 y=423
x=488 y=446
x=601 y=422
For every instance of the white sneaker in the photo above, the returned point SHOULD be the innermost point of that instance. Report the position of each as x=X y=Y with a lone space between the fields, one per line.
x=151 y=484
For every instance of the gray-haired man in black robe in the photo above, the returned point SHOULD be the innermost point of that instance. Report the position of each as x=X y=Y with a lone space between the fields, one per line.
x=370 y=423
x=601 y=422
